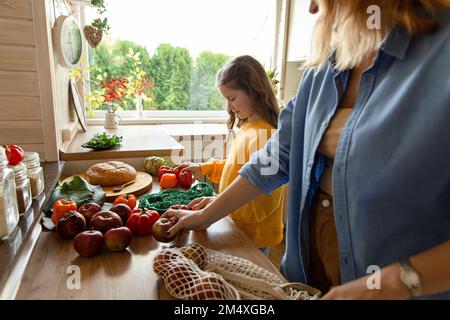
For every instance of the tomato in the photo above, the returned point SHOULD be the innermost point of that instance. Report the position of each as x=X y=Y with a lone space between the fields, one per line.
x=185 y=179
x=141 y=221
x=168 y=181
x=177 y=171
x=164 y=169
x=14 y=154
x=128 y=199
x=61 y=207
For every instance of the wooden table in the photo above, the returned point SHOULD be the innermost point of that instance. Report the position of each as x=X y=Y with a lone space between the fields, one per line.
x=138 y=141
x=122 y=275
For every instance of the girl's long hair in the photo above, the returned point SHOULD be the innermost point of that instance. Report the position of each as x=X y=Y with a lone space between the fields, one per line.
x=343 y=26
x=247 y=74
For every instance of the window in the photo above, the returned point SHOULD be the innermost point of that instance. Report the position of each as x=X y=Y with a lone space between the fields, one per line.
x=175 y=48
x=300 y=30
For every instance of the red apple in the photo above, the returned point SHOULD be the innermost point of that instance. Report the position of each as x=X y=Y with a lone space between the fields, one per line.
x=118 y=239
x=160 y=228
x=196 y=253
x=88 y=243
x=179 y=276
x=105 y=220
x=208 y=287
x=70 y=224
x=88 y=210
x=123 y=211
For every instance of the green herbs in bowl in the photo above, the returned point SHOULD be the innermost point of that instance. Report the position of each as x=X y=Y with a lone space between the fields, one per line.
x=103 y=141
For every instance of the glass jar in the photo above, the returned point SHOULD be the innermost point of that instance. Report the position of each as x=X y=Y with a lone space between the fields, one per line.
x=35 y=173
x=23 y=190
x=9 y=213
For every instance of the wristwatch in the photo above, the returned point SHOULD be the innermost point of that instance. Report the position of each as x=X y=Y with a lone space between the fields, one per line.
x=410 y=278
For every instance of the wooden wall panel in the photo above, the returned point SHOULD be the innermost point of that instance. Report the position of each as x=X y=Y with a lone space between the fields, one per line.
x=21 y=132
x=20 y=108
x=20 y=9
x=18 y=32
x=39 y=148
x=43 y=18
x=19 y=84
x=17 y=58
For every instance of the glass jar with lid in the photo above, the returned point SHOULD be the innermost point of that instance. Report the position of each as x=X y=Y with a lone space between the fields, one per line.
x=23 y=190
x=35 y=173
x=9 y=213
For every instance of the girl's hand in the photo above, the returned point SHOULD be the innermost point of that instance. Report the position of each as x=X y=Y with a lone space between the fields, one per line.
x=200 y=203
x=193 y=167
x=185 y=219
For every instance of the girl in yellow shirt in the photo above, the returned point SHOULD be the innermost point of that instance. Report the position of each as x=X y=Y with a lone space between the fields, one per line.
x=253 y=108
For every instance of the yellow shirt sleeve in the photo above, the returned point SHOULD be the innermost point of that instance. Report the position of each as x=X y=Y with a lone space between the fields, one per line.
x=213 y=169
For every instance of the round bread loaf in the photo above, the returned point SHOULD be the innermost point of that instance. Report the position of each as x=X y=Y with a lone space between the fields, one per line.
x=112 y=173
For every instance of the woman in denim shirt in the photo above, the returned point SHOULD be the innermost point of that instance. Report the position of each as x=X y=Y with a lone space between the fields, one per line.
x=365 y=148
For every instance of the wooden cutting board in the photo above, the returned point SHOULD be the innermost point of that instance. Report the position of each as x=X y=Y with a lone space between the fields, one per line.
x=142 y=184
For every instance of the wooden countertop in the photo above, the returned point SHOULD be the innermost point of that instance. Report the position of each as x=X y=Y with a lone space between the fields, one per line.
x=138 y=141
x=123 y=275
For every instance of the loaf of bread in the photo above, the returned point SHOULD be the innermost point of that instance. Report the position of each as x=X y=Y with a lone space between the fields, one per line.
x=112 y=173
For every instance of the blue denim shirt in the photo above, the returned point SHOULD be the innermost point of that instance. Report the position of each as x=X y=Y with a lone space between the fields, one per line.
x=391 y=174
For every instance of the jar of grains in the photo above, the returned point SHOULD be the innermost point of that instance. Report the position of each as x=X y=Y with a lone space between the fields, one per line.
x=35 y=173
x=9 y=213
x=23 y=190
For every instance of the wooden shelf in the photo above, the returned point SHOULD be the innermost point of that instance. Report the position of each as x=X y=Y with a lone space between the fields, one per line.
x=138 y=141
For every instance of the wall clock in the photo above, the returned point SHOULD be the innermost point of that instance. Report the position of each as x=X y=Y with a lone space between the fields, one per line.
x=67 y=41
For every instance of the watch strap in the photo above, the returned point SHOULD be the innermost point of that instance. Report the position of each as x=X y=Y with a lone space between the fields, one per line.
x=406 y=268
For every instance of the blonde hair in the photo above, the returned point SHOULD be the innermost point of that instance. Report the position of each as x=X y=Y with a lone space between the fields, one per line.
x=342 y=26
x=247 y=74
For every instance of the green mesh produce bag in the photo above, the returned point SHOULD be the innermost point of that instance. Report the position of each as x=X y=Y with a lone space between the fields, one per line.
x=161 y=201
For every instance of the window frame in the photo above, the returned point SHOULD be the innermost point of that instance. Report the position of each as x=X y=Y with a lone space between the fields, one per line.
x=182 y=116
x=163 y=117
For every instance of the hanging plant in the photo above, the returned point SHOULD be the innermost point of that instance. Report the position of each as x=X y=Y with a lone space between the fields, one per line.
x=94 y=32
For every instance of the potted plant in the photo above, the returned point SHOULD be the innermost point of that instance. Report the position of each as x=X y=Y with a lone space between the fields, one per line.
x=115 y=89
x=94 y=32
x=273 y=75
x=107 y=91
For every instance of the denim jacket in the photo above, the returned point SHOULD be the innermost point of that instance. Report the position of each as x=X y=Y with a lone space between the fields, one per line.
x=391 y=173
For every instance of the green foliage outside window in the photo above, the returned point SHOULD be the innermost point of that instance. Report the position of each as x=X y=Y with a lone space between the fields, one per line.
x=174 y=80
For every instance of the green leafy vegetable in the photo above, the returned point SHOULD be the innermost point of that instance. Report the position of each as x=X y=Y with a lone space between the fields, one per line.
x=161 y=201
x=78 y=190
x=103 y=141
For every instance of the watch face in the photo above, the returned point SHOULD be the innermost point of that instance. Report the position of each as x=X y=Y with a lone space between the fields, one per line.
x=71 y=41
x=411 y=278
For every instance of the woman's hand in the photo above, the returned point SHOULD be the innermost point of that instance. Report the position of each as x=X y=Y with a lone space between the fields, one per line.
x=390 y=287
x=186 y=219
x=200 y=203
x=192 y=167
